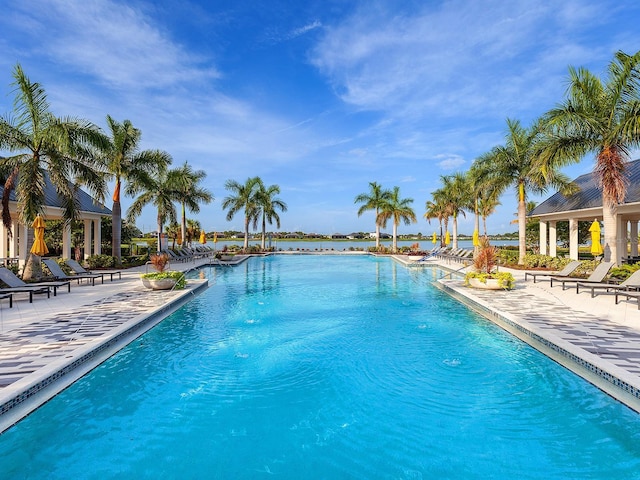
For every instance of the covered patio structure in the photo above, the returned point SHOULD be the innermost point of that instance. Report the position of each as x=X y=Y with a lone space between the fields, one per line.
x=91 y=212
x=586 y=205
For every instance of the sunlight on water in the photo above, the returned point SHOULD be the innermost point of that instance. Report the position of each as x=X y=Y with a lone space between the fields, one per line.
x=331 y=367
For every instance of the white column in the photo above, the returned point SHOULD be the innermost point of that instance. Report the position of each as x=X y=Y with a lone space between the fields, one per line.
x=4 y=252
x=634 y=238
x=13 y=241
x=621 y=240
x=543 y=238
x=88 y=224
x=553 y=240
x=97 y=237
x=573 y=239
x=66 y=241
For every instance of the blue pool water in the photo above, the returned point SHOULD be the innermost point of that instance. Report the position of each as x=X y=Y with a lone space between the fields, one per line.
x=326 y=368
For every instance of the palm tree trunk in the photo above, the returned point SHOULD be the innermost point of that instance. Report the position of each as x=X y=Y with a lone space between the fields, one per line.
x=159 y=234
x=609 y=221
x=522 y=225
x=264 y=230
x=377 y=231
x=183 y=227
x=476 y=227
x=454 y=229
x=246 y=233
x=395 y=237
x=116 y=226
x=32 y=267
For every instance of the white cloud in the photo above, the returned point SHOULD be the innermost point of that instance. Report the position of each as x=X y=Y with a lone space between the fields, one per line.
x=450 y=162
x=113 y=42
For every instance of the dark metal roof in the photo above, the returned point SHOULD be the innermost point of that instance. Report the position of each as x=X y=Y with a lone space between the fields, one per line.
x=590 y=193
x=86 y=203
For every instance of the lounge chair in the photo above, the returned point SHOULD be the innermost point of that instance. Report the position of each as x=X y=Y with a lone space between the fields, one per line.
x=10 y=279
x=79 y=269
x=631 y=283
x=59 y=274
x=9 y=296
x=597 y=276
x=28 y=289
x=628 y=294
x=565 y=272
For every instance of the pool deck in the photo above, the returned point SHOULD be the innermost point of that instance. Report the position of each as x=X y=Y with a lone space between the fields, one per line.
x=46 y=345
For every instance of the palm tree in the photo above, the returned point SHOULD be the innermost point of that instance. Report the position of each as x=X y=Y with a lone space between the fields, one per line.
x=190 y=193
x=41 y=142
x=398 y=209
x=436 y=211
x=487 y=204
x=159 y=191
x=173 y=233
x=374 y=200
x=603 y=118
x=125 y=162
x=268 y=204
x=192 y=231
x=519 y=162
x=454 y=194
x=244 y=197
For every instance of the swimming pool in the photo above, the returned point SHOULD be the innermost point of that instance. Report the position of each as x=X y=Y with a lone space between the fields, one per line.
x=326 y=367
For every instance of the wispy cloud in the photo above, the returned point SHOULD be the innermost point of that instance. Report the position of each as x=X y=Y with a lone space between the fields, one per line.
x=305 y=29
x=116 y=43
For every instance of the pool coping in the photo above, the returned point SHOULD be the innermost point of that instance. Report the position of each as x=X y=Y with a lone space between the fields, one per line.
x=22 y=397
x=611 y=379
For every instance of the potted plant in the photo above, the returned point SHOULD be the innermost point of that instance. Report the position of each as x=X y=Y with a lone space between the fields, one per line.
x=161 y=279
x=485 y=274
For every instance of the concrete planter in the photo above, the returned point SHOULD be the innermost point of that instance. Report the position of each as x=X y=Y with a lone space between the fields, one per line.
x=492 y=284
x=159 y=283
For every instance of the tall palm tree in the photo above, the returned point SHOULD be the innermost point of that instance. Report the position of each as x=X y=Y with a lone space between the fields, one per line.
x=159 y=191
x=244 y=197
x=519 y=163
x=454 y=193
x=269 y=205
x=374 y=200
x=126 y=163
x=487 y=204
x=602 y=117
x=192 y=231
x=190 y=193
x=399 y=210
x=435 y=211
x=40 y=142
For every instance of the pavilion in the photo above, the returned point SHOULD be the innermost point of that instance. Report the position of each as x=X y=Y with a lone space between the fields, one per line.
x=586 y=205
x=90 y=213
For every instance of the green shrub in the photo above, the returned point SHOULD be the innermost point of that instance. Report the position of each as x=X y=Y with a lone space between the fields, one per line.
x=623 y=271
x=101 y=261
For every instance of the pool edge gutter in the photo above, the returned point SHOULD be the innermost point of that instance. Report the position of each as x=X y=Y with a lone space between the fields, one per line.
x=26 y=395
x=609 y=378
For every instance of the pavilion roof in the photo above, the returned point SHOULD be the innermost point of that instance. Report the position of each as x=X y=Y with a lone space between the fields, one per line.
x=590 y=193
x=86 y=203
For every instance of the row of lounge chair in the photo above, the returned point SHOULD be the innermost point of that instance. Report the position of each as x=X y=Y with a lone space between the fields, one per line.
x=60 y=280
x=186 y=254
x=594 y=283
x=446 y=253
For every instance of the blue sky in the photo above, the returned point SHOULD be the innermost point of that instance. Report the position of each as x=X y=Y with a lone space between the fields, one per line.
x=320 y=97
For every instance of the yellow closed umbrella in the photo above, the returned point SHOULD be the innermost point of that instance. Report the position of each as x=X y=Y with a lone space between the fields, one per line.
x=434 y=239
x=203 y=237
x=447 y=238
x=596 y=247
x=215 y=237
x=476 y=238
x=39 y=247
x=179 y=237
